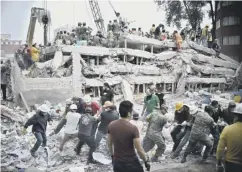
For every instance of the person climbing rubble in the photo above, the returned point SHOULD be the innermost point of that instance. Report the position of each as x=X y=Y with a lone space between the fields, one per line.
x=230 y=143
x=152 y=31
x=106 y=117
x=106 y=94
x=120 y=20
x=163 y=35
x=123 y=140
x=72 y=119
x=116 y=32
x=39 y=123
x=198 y=35
x=135 y=121
x=178 y=39
x=204 y=36
x=150 y=102
x=63 y=120
x=34 y=52
x=216 y=47
x=158 y=31
x=200 y=133
x=154 y=136
x=140 y=32
x=85 y=133
x=182 y=116
x=192 y=111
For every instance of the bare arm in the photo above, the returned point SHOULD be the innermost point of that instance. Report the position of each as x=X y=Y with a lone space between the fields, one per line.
x=139 y=149
x=110 y=144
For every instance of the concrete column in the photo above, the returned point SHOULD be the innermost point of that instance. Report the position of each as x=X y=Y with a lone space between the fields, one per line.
x=137 y=60
x=138 y=89
x=141 y=61
x=76 y=75
x=152 y=49
x=219 y=86
x=195 y=87
x=98 y=60
x=99 y=91
x=189 y=86
x=164 y=87
x=172 y=88
x=211 y=86
x=125 y=43
x=144 y=88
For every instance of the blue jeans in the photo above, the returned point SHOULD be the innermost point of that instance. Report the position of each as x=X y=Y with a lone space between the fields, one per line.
x=40 y=138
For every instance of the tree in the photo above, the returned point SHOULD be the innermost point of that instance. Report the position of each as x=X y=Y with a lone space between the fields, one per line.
x=177 y=11
x=212 y=13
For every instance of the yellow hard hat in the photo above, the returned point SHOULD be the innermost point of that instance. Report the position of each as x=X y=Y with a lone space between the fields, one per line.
x=237 y=99
x=179 y=105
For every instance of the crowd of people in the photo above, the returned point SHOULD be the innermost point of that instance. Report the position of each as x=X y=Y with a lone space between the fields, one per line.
x=91 y=122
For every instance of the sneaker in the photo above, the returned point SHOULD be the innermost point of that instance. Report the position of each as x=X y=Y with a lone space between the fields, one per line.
x=184 y=159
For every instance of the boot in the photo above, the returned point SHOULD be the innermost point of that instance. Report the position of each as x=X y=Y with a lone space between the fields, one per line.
x=174 y=155
x=154 y=159
x=184 y=159
x=33 y=154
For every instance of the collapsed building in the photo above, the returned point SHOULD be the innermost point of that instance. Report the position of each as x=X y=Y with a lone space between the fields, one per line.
x=67 y=71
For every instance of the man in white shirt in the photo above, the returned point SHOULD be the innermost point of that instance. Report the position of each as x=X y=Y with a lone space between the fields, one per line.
x=71 y=129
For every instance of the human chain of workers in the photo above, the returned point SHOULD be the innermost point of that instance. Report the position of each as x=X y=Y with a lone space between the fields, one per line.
x=90 y=122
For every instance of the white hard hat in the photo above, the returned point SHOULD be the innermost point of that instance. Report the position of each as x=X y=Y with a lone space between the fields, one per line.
x=44 y=108
x=87 y=99
x=73 y=107
x=193 y=110
x=237 y=109
x=69 y=101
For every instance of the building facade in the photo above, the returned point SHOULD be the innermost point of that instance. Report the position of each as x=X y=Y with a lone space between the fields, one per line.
x=8 y=46
x=229 y=28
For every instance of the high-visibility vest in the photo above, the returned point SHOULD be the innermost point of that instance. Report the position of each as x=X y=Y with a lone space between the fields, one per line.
x=204 y=32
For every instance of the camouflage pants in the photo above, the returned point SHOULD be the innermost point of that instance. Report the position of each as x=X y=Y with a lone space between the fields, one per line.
x=155 y=139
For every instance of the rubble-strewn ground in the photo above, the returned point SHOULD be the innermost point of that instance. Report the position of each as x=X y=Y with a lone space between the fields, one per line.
x=15 y=147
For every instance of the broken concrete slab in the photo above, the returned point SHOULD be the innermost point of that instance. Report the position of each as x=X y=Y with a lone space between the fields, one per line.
x=57 y=60
x=196 y=80
x=213 y=70
x=77 y=169
x=11 y=114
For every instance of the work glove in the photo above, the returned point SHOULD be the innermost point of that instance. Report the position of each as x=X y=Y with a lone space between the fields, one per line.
x=147 y=165
x=219 y=168
x=24 y=131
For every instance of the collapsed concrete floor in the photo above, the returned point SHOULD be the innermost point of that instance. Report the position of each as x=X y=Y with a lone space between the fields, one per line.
x=15 y=147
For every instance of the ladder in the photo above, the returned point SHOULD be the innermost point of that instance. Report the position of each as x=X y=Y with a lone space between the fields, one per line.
x=97 y=16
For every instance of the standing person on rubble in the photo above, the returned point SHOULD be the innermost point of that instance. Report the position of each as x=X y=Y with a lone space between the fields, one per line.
x=154 y=135
x=107 y=116
x=163 y=35
x=198 y=35
x=140 y=33
x=80 y=104
x=182 y=116
x=158 y=31
x=216 y=47
x=83 y=32
x=4 y=72
x=200 y=133
x=152 y=31
x=106 y=94
x=85 y=133
x=150 y=102
x=178 y=39
x=204 y=36
x=110 y=26
x=39 y=123
x=121 y=21
x=123 y=140
x=34 y=52
x=230 y=143
x=116 y=32
x=94 y=106
x=72 y=119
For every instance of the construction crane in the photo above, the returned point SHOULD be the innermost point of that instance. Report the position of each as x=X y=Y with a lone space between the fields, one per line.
x=43 y=17
x=97 y=16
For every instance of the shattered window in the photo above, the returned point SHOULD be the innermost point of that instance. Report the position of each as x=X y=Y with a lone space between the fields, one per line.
x=219 y=5
x=231 y=40
x=232 y=20
x=218 y=24
x=227 y=3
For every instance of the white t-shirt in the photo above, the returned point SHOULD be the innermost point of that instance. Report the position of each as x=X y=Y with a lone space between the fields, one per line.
x=71 y=123
x=138 y=124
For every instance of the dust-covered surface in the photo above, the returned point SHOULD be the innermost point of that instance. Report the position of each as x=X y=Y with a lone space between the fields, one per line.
x=15 y=147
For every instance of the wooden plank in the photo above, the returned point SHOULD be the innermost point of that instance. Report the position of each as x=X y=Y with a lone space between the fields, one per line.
x=24 y=101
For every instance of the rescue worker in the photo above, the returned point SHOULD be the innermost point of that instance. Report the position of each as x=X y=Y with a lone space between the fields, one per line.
x=120 y=20
x=152 y=31
x=80 y=104
x=123 y=140
x=83 y=32
x=78 y=30
x=158 y=31
x=200 y=133
x=227 y=113
x=163 y=35
x=110 y=38
x=110 y=26
x=204 y=36
x=150 y=102
x=4 y=77
x=216 y=47
x=106 y=117
x=192 y=111
x=182 y=116
x=89 y=102
x=135 y=121
x=161 y=95
x=64 y=38
x=106 y=94
x=230 y=143
x=72 y=119
x=210 y=39
x=140 y=33
x=34 y=53
x=198 y=35
x=39 y=122
x=178 y=39
x=85 y=133
x=154 y=135
x=73 y=36
x=116 y=32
